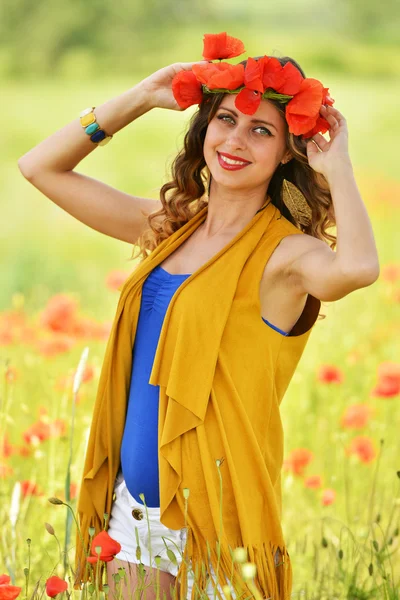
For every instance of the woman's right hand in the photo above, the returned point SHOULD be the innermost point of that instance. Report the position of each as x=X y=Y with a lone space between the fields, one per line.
x=159 y=85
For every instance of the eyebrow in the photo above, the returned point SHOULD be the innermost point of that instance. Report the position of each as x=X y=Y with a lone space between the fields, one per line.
x=252 y=121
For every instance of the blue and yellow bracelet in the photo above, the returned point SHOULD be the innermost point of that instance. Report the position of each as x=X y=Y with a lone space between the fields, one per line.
x=92 y=128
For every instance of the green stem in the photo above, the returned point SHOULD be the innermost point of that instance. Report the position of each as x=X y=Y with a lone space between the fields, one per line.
x=219 y=462
x=394 y=508
x=29 y=568
x=97 y=577
x=268 y=94
x=68 y=484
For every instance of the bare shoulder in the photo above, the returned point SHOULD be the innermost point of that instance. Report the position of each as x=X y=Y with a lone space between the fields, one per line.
x=290 y=248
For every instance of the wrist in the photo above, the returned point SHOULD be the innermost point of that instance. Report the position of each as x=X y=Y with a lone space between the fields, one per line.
x=145 y=95
x=340 y=168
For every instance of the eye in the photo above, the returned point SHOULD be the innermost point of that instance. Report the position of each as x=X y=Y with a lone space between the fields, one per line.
x=223 y=117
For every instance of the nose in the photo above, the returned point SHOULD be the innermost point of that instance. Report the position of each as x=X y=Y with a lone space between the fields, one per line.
x=236 y=139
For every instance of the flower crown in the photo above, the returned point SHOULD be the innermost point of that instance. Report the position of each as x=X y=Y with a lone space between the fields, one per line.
x=262 y=78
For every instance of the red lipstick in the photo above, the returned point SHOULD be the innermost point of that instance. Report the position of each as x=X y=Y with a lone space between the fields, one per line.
x=234 y=157
x=229 y=167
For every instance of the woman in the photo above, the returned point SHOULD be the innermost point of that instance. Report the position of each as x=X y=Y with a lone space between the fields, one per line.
x=218 y=313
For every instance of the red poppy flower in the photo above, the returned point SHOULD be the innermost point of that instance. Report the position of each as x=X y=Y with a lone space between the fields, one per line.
x=186 y=89
x=39 y=431
x=313 y=482
x=363 y=448
x=330 y=374
x=388 y=380
x=85 y=328
x=24 y=450
x=7 y=591
x=249 y=98
x=302 y=111
x=6 y=449
x=386 y=388
x=28 y=488
x=59 y=344
x=272 y=73
x=389 y=371
x=60 y=313
x=43 y=428
x=321 y=126
x=55 y=585
x=298 y=459
x=328 y=496
x=217 y=46
x=88 y=374
x=220 y=75
x=253 y=75
x=248 y=101
x=284 y=80
x=356 y=416
x=390 y=272
x=73 y=488
x=109 y=547
x=326 y=98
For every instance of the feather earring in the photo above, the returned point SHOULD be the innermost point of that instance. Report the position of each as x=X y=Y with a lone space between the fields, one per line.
x=296 y=203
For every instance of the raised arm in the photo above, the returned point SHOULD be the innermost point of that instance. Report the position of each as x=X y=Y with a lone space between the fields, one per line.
x=49 y=166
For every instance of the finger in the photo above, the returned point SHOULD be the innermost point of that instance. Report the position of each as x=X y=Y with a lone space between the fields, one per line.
x=312 y=147
x=188 y=65
x=321 y=141
x=336 y=113
x=329 y=117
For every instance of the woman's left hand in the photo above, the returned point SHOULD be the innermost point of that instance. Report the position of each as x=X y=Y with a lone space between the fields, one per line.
x=327 y=156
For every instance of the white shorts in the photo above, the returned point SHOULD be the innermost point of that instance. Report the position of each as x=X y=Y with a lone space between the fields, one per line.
x=122 y=526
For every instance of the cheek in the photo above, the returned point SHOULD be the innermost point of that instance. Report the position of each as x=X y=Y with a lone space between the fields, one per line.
x=210 y=136
x=210 y=142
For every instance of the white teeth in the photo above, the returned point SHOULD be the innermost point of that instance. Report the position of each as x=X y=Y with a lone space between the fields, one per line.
x=232 y=162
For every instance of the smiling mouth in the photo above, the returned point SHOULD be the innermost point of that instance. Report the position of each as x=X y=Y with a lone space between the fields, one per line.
x=231 y=165
x=237 y=160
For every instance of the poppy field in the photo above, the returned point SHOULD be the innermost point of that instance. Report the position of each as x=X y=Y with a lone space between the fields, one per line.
x=341 y=413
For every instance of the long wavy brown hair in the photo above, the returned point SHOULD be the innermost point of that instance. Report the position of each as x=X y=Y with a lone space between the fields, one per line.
x=187 y=192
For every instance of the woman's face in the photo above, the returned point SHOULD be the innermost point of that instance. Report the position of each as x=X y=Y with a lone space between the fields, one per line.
x=247 y=138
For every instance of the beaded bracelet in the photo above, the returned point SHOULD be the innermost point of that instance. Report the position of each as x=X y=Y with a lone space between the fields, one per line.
x=92 y=128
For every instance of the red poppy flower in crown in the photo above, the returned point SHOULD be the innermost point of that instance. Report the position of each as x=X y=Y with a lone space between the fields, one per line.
x=262 y=78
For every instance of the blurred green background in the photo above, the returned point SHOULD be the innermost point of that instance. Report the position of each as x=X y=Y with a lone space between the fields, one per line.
x=82 y=37
x=57 y=58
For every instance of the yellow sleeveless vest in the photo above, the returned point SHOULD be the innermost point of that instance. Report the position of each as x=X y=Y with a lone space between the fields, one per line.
x=222 y=374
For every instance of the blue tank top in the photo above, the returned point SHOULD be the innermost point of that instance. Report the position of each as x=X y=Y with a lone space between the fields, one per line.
x=139 y=447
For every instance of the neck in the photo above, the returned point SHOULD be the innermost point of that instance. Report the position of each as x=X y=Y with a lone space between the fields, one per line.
x=229 y=216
